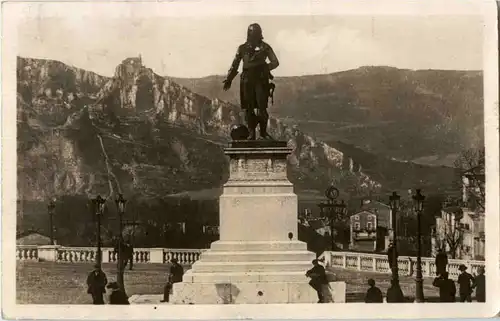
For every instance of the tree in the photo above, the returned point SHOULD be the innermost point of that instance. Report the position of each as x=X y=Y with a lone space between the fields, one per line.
x=449 y=235
x=470 y=165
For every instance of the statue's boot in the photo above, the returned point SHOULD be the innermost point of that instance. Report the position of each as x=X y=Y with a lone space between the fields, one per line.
x=252 y=135
x=263 y=127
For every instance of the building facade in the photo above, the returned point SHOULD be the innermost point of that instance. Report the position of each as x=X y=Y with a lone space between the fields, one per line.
x=370 y=227
x=460 y=228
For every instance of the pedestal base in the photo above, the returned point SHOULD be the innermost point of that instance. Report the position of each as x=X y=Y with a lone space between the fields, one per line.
x=252 y=293
x=251 y=272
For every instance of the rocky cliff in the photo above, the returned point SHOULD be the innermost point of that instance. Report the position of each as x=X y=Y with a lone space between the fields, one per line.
x=80 y=133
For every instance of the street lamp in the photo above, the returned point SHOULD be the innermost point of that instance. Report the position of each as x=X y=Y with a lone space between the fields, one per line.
x=98 y=207
x=50 y=208
x=418 y=204
x=334 y=210
x=396 y=288
x=120 y=204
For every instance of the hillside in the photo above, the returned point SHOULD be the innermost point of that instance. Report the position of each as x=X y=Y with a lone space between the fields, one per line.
x=82 y=134
x=141 y=134
x=428 y=116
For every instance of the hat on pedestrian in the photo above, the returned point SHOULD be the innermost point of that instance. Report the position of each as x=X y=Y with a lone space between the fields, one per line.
x=371 y=282
x=462 y=267
x=174 y=260
x=97 y=266
x=480 y=269
x=113 y=286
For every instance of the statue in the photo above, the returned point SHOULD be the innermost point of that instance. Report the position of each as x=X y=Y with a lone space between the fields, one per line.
x=255 y=85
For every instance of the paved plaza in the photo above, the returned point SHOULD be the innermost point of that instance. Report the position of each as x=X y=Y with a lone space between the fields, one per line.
x=64 y=283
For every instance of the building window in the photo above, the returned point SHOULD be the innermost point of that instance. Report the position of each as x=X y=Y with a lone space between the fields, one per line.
x=356 y=217
x=369 y=226
x=370 y=217
x=356 y=226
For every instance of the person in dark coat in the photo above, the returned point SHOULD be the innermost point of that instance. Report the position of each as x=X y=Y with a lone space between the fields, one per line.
x=373 y=294
x=175 y=276
x=129 y=254
x=441 y=262
x=96 y=283
x=447 y=289
x=391 y=252
x=480 y=281
x=466 y=283
x=117 y=295
x=318 y=279
x=394 y=293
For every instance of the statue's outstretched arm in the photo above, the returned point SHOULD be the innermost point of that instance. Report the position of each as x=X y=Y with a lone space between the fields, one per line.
x=233 y=71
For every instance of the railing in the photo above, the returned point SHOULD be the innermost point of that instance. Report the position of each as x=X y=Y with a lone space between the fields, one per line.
x=346 y=260
x=88 y=254
x=380 y=263
x=27 y=253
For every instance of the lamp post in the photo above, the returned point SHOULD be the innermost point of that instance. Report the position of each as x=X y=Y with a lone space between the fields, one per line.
x=120 y=204
x=98 y=207
x=334 y=210
x=396 y=288
x=50 y=208
x=418 y=200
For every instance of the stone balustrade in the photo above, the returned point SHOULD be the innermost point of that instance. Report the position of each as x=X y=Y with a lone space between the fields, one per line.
x=348 y=260
x=60 y=253
x=379 y=263
x=27 y=253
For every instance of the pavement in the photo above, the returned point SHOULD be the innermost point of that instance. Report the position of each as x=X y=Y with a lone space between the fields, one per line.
x=146 y=299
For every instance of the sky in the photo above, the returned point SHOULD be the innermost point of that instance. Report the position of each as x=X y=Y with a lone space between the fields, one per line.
x=202 y=46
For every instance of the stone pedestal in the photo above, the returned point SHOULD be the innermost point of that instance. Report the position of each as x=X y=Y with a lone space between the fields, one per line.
x=255 y=261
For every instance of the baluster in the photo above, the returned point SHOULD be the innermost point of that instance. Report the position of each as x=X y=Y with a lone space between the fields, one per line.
x=164 y=255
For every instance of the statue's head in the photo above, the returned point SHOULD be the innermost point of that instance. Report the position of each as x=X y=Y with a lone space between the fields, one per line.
x=254 y=33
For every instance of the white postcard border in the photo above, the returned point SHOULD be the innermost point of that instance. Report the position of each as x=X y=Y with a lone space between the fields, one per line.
x=10 y=19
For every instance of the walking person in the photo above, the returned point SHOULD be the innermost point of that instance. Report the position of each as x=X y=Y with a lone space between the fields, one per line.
x=175 y=276
x=391 y=253
x=129 y=254
x=410 y=266
x=373 y=294
x=96 y=283
x=117 y=295
x=441 y=262
x=466 y=283
x=447 y=288
x=394 y=293
x=318 y=279
x=480 y=281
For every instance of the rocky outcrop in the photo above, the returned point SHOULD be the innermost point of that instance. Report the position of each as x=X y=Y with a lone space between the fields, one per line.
x=138 y=133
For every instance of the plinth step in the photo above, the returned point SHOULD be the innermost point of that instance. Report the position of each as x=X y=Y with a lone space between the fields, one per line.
x=262 y=266
x=233 y=246
x=254 y=256
x=232 y=277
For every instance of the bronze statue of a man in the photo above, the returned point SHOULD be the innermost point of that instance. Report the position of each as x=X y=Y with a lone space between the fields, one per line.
x=255 y=85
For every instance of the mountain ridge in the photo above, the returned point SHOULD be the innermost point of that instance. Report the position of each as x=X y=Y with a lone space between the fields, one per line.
x=72 y=129
x=403 y=114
